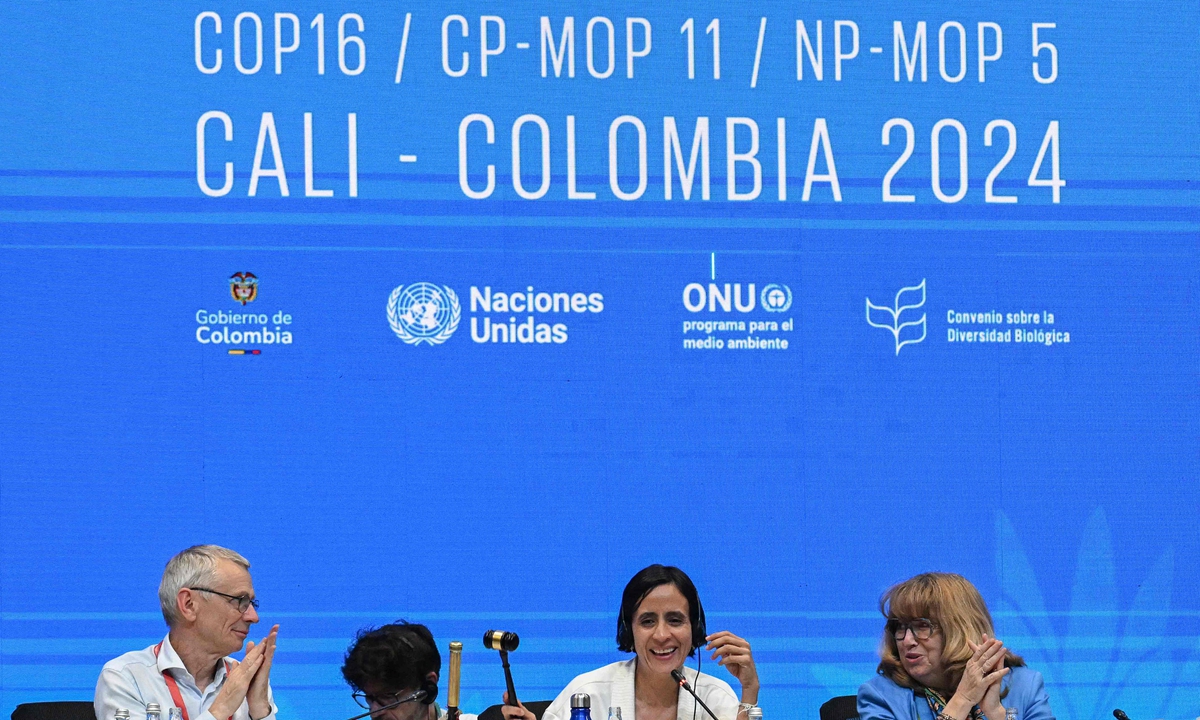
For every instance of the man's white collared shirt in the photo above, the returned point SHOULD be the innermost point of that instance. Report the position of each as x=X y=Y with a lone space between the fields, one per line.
x=134 y=680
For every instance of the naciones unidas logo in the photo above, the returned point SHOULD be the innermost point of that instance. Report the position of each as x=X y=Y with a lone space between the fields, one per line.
x=427 y=313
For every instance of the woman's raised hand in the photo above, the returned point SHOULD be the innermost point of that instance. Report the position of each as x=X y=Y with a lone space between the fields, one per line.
x=984 y=670
x=734 y=654
x=990 y=703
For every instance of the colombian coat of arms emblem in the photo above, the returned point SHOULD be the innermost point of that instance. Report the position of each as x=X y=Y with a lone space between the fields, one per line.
x=243 y=286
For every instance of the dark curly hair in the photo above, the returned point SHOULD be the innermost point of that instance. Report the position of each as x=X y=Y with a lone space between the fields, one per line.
x=397 y=657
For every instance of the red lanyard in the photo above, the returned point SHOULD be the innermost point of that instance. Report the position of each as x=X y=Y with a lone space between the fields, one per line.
x=174 y=686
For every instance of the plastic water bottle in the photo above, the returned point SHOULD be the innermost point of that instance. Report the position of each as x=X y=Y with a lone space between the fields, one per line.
x=755 y=713
x=122 y=714
x=581 y=706
x=175 y=714
x=1010 y=713
x=153 y=711
x=614 y=713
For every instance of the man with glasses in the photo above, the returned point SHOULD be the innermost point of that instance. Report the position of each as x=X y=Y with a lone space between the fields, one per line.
x=388 y=664
x=207 y=599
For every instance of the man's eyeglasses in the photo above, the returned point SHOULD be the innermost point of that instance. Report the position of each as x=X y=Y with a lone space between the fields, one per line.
x=922 y=629
x=365 y=701
x=242 y=602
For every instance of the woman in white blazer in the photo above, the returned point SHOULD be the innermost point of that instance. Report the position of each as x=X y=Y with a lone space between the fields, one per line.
x=661 y=621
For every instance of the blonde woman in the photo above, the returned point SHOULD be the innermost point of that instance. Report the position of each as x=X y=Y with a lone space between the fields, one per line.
x=940 y=659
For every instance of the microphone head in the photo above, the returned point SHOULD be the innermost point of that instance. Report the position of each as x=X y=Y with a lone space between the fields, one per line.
x=1119 y=714
x=677 y=674
x=501 y=640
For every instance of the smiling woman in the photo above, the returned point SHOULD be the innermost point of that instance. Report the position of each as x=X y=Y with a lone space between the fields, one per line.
x=661 y=621
x=939 y=659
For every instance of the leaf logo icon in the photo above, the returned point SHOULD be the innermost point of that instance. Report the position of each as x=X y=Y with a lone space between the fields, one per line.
x=895 y=319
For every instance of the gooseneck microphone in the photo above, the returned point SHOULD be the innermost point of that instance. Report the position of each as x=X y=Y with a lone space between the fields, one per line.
x=426 y=695
x=683 y=683
x=455 y=680
x=505 y=642
x=1119 y=714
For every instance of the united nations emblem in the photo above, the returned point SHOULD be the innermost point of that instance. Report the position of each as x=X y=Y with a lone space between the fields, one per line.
x=423 y=313
x=776 y=298
x=243 y=286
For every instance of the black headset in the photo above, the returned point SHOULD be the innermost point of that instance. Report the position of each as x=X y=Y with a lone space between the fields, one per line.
x=431 y=692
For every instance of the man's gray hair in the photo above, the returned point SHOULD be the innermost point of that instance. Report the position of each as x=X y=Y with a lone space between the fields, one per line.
x=195 y=566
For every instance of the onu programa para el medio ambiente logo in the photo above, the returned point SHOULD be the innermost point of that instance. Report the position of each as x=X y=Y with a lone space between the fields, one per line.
x=738 y=328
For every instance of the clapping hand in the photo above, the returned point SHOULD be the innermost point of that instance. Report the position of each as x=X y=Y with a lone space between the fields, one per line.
x=990 y=702
x=983 y=672
x=237 y=683
x=256 y=695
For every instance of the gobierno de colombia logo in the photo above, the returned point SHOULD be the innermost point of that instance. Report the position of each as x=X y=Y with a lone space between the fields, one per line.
x=243 y=333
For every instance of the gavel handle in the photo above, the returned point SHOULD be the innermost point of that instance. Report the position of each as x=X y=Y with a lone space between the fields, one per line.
x=512 y=691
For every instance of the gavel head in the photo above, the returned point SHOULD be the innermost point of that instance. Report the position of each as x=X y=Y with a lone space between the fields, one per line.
x=501 y=640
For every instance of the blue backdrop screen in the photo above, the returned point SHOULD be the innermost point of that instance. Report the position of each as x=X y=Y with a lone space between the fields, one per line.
x=463 y=313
